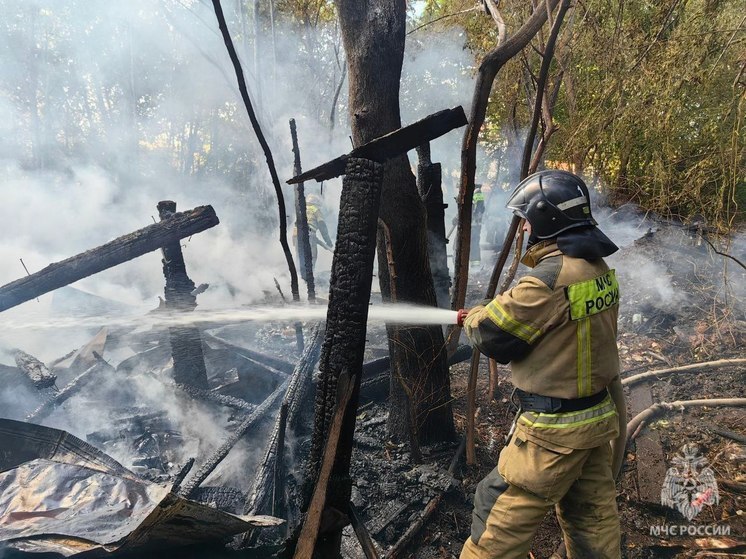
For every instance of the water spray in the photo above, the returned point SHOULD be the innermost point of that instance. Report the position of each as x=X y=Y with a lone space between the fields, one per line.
x=387 y=313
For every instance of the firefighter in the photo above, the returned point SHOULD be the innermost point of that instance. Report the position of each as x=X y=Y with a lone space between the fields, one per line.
x=475 y=253
x=557 y=328
x=316 y=224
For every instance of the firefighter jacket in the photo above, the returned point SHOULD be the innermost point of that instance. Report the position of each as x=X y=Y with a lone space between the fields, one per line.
x=557 y=327
x=316 y=223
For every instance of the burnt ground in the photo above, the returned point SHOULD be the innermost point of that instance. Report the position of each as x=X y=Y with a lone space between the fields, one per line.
x=675 y=311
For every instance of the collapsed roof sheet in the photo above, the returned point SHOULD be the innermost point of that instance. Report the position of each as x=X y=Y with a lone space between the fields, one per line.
x=60 y=494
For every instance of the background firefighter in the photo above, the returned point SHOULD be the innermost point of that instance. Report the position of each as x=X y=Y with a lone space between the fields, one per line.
x=475 y=253
x=557 y=327
x=316 y=224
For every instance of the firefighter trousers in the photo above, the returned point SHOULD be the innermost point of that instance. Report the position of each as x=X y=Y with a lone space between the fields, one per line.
x=529 y=479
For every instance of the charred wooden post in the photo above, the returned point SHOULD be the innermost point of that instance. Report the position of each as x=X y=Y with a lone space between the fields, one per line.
x=260 y=497
x=186 y=342
x=107 y=256
x=430 y=185
x=305 y=259
x=344 y=344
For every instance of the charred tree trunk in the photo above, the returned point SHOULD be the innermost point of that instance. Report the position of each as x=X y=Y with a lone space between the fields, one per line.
x=346 y=326
x=430 y=185
x=303 y=239
x=107 y=256
x=373 y=35
x=186 y=341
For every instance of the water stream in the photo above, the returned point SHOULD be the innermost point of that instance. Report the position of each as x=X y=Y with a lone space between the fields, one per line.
x=398 y=313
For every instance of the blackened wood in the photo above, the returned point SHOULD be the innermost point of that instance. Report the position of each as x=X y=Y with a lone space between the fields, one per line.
x=106 y=256
x=363 y=536
x=186 y=341
x=278 y=497
x=183 y=472
x=260 y=496
x=430 y=186
x=216 y=398
x=262 y=142
x=244 y=427
x=374 y=34
x=398 y=549
x=305 y=258
x=280 y=366
x=323 y=495
x=392 y=144
x=346 y=327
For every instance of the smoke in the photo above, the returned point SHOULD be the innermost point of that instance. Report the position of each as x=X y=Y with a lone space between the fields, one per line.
x=107 y=108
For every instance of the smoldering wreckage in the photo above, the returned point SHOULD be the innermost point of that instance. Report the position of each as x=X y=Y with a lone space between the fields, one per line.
x=314 y=471
x=68 y=497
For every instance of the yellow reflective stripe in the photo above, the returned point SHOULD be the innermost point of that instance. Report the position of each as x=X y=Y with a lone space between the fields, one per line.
x=593 y=296
x=584 y=357
x=479 y=197
x=540 y=425
x=499 y=316
x=570 y=419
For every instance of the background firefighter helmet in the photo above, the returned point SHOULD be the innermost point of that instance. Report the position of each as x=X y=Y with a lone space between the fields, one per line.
x=552 y=202
x=313 y=199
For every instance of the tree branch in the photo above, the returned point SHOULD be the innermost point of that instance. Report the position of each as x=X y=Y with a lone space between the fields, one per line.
x=637 y=424
x=694 y=367
x=488 y=70
x=541 y=87
x=265 y=147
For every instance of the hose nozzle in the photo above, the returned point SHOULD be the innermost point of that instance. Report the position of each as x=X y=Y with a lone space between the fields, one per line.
x=461 y=315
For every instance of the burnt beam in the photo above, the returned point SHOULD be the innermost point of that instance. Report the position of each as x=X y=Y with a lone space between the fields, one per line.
x=390 y=145
x=113 y=253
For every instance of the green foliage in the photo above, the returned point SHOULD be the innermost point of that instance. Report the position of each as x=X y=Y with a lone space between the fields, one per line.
x=651 y=103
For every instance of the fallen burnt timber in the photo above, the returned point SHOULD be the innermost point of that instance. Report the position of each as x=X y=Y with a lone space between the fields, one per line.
x=74 y=387
x=264 y=490
x=120 y=250
x=391 y=145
